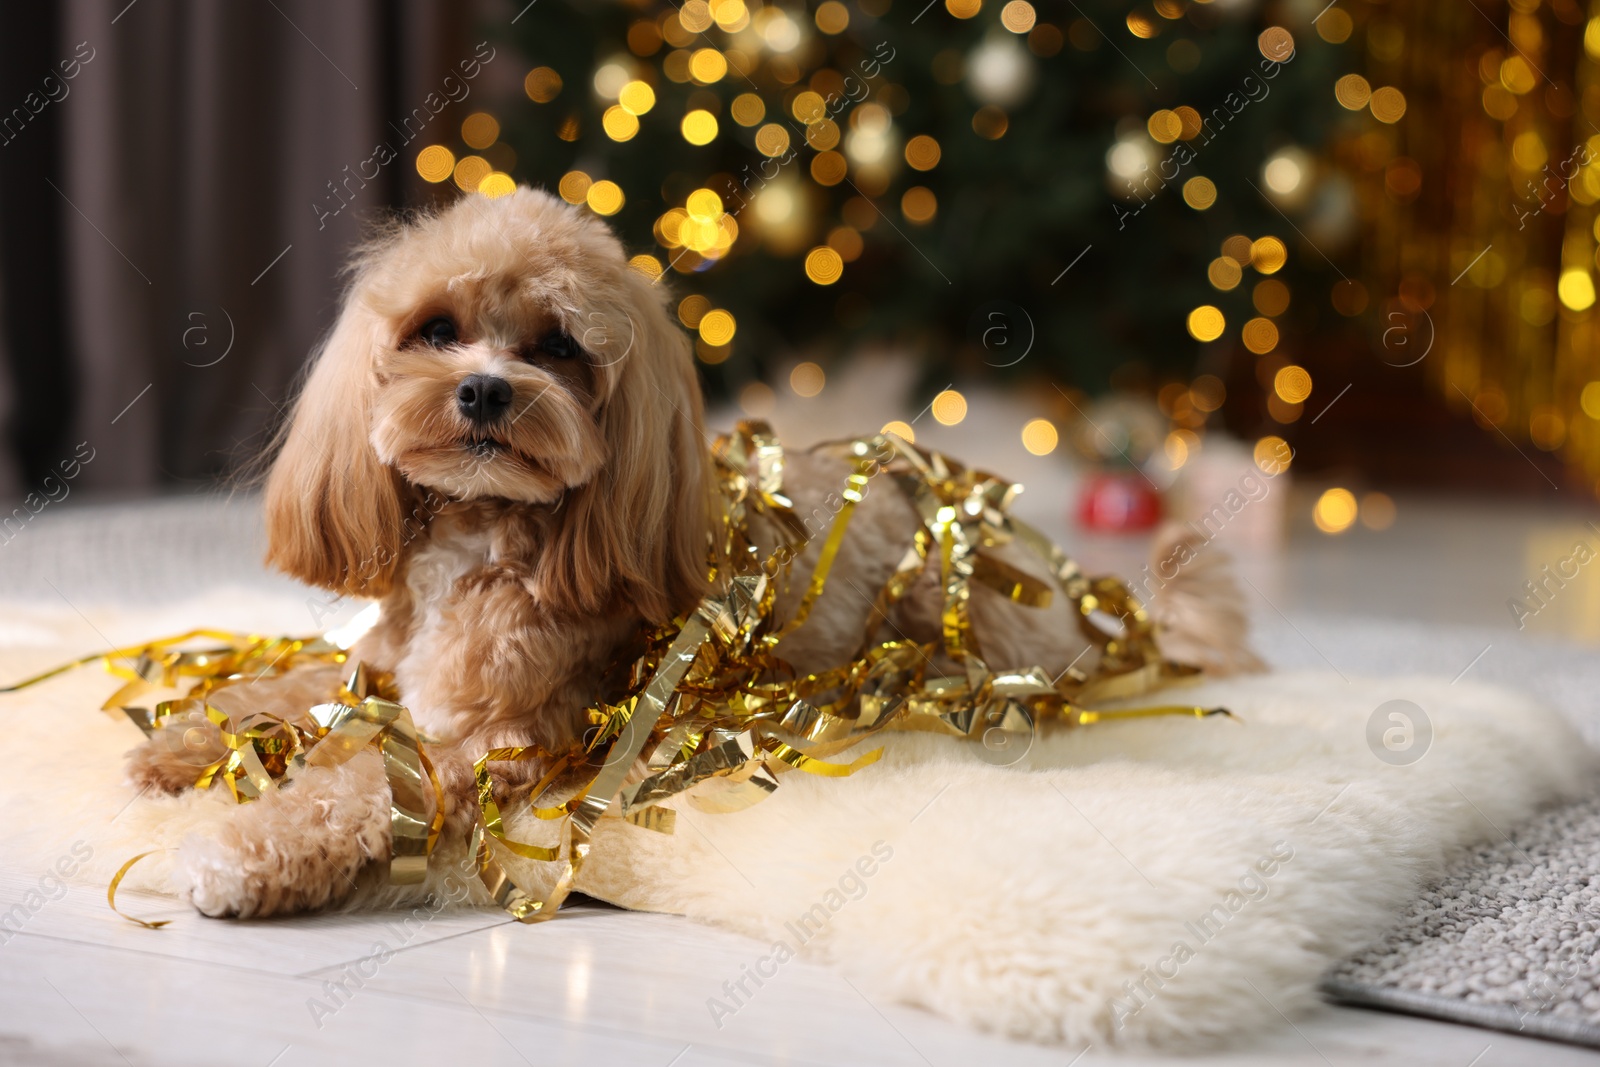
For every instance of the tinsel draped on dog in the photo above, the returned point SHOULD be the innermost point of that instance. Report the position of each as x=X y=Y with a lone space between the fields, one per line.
x=501 y=441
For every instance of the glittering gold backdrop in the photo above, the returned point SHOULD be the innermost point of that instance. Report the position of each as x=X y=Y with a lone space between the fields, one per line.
x=1480 y=211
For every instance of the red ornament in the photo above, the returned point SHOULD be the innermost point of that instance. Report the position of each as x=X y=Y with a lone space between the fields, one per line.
x=1118 y=502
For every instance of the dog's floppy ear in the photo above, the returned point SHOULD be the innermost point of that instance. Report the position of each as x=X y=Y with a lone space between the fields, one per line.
x=333 y=510
x=639 y=531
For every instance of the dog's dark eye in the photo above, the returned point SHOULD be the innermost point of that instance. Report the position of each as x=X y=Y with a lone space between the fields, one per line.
x=559 y=346
x=438 y=332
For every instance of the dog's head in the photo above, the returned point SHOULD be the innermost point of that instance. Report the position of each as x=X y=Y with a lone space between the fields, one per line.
x=503 y=350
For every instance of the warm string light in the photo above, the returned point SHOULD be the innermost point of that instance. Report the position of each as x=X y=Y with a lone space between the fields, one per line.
x=1040 y=437
x=900 y=429
x=684 y=45
x=1338 y=510
x=1335 y=510
x=1286 y=395
x=763 y=75
x=486 y=171
x=714 y=47
x=949 y=407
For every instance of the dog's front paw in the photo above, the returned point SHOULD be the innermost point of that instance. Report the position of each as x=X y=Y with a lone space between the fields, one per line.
x=219 y=876
x=172 y=758
x=227 y=877
x=299 y=848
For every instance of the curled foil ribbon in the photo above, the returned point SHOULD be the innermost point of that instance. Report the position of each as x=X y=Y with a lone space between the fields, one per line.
x=713 y=713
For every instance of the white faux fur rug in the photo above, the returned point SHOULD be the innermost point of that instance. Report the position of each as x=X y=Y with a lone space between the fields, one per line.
x=1160 y=882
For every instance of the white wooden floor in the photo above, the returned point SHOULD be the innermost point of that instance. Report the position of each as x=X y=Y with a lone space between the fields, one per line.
x=598 y=987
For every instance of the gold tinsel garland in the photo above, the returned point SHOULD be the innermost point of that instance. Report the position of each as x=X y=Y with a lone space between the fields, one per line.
x=713 y=710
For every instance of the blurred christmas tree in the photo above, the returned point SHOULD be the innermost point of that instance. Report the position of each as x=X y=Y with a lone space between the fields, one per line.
x=1107 y=190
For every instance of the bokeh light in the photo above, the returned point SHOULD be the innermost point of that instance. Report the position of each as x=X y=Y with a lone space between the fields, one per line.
x=695 y=15
x=647 y=265
x=1388 y=104
x=619 y=123
x=824 y=265
x=922 y=152
x=990 y=123
x=1260 y=335
x=1377 y=511
x=717 y=327
x=542 y=85
x=691 y=309
x=1335 y=510
x=949 y=407
x=1589 y=400
x=1576 y=289
x=1164 y=126
x=1276 y=44
x=704 y=205
x=772 y=140
x=1206 y=323
x=918 y=204
x=1352 y=91
x=707 y=65
x=731 y=15
x=637 y=97
x=807 y=379
x=1018 y=16
x=828 y=168
x=1039 y=436
x=470 y=171
x=1224 y=273
x=644 y=38
x=1283 y=173
x=497 y=184
x=574 y=186
x=480 y=129
x=1334 y=25
x=1199 y=193
x=435 y=163
x=1207 y=393
x=699 y=127
x=822 y=134
x=1270 y=296
x=758 y=400
x=1292 y=384
x=832 y=17
x=1273 y=455
x=900 y=429
x=747 y=109
x=609 y=79
x=846 y=240
x=1268 y=255
x=605 y=198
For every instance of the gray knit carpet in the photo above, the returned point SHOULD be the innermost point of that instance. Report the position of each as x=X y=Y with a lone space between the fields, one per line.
x=1510 y=940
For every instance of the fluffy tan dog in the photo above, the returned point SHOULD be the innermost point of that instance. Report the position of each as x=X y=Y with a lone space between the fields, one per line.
x=502 y=441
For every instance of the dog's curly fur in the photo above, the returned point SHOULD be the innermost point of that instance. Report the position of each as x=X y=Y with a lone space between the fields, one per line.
x=519 y=557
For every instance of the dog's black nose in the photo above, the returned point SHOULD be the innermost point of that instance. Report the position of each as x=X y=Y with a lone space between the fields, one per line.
x=483 y=397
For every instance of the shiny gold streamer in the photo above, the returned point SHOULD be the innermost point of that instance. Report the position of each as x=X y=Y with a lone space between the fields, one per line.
x=116 y=880
x=723 y=733
x=716 y=715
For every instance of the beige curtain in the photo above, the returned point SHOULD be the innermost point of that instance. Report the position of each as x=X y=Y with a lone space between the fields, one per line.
x=206 y=148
